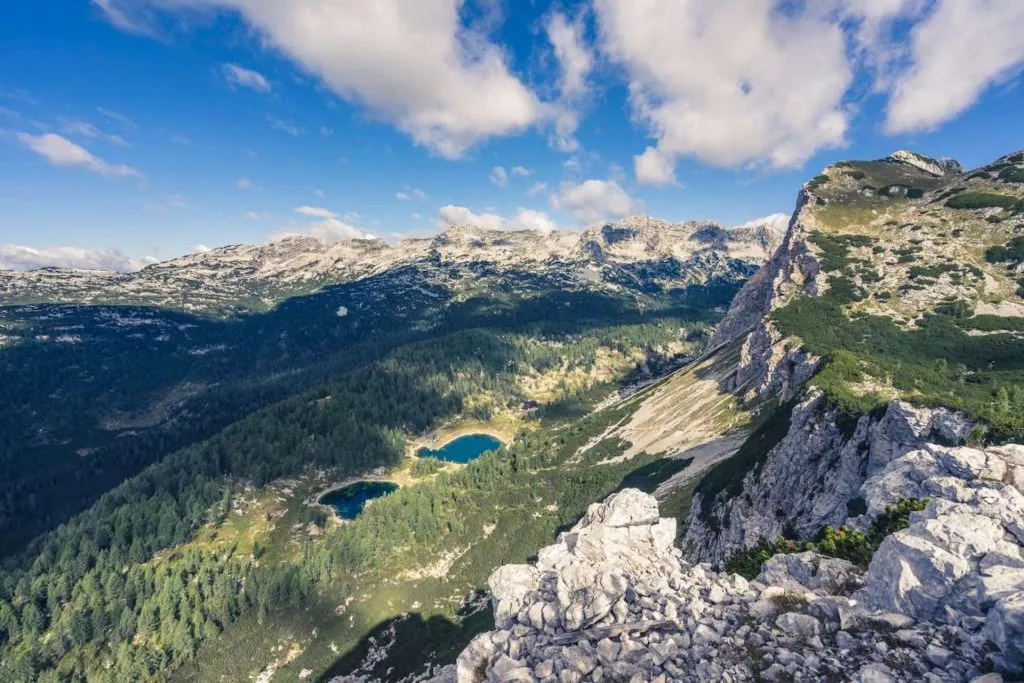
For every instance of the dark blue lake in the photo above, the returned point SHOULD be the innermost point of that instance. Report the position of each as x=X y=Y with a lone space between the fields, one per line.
x=349 y=501
x=463 y=449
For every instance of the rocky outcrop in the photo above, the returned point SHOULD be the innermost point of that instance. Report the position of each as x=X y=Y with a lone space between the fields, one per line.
x=815 y=475
x=771 y=366
x=936 y=166
x=614 y=600
x=961 y=560
x=790 y=269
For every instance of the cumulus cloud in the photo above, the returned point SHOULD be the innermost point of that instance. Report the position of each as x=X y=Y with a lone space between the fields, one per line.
x=330 y=229
x=654 y=168
x=730 y=83
x=575 y=61
x=595 y=201
x=499 y=176
x=777 y=222
x=14 y=257
x=958 y=51
x=524 y=219
x=60 y=151
x=775 y=78
x=521 y=172
x=413 y=64
x=240 y=77
x=574 y=58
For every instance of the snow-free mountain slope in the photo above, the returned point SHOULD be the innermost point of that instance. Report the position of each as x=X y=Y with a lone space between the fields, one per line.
x=256 y=277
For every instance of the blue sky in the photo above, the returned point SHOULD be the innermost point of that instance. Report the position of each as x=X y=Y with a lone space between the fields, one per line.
x=135 y=129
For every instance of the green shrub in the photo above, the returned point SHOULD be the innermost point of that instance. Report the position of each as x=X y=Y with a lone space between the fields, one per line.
x=747 y=563
x=1013 y=174
x=817 y=181
x=932 y=271
x=981 y=200
x=1012 y=251
x=840 y=542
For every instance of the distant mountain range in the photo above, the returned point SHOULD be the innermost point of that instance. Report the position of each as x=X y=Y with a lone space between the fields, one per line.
x=240 y=278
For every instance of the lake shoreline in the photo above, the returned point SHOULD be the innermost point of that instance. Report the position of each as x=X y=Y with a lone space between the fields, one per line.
x=315 y=498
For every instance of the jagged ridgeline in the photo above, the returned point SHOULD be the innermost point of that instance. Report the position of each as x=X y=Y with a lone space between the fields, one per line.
x=165 y=434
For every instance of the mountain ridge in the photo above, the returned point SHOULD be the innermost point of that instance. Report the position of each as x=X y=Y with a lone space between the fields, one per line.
x=253 y=277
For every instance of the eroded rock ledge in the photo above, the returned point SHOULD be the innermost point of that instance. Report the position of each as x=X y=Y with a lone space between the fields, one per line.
x=613 y=599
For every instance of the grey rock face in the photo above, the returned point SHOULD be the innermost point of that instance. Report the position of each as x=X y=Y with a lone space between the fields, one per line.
x=813 y=476
x=961 y=560
x=808 y=571
x=673 y=621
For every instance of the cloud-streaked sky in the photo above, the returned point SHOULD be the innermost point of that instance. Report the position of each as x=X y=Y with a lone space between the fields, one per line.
x=144 y=128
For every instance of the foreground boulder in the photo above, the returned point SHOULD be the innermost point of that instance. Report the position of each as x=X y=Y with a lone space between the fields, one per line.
x=614 y=600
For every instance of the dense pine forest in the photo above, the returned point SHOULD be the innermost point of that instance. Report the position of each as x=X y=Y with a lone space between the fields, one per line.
x=122 y=590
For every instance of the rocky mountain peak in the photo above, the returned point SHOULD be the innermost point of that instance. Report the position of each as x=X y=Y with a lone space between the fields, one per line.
x=937 y=166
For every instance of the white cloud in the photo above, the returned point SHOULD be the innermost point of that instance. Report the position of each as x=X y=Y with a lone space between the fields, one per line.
x=958 y=51
x=331 y=228
x=574 y=58
x=60 y=151
x=118 y=117
x=134 y=20
x=416 y=216
x=255 y=216
x=413 y=64
x=524 y=219
x=169 y=202
x=574 y=64
x=528 y=219
x=14 y=257
x=594 y=201
x=460 y=215
x=285 y=126
x=200 y=249
x=732 y=82
x=410 y=193
x=499 y=176
x=537 y=188
x=315 y=212
x=521 y=172
x=318 y=192
x=245 y=184
x=87 y=130
x=240 y=77
x=778 y=222
x=654 y=168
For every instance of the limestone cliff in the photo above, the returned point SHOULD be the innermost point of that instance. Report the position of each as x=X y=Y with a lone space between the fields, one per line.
x=614 y=600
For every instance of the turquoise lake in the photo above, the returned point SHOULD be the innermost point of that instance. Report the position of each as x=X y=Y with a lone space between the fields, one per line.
x=463 y=449
x=349 y=501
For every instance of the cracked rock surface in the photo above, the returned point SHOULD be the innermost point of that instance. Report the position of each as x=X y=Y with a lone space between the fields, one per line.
x=613 y=600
